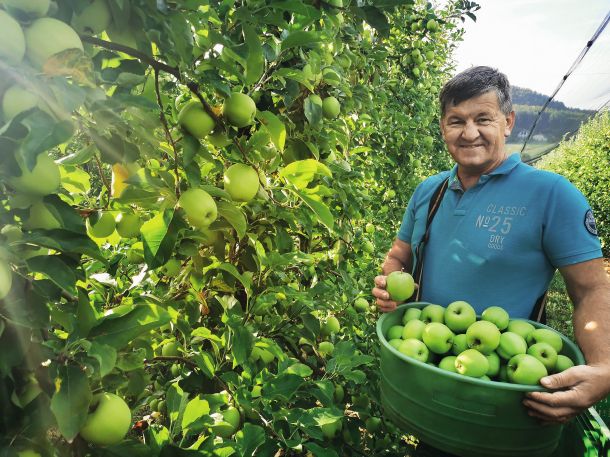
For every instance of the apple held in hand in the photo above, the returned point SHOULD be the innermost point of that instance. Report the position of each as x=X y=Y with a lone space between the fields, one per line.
x=459 y=315
x=438 y=337
x=510 y=345
x=109 y=421
x=497 y=316
x=545 y=353
x=415 y=349
x=545 y=335
x=471 y=363
x=483 y=336
x=400 y=285
x=433 y=313
x=520 y=327
x=525 y=369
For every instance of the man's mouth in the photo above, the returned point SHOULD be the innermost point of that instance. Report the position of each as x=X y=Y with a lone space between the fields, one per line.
x=471 y=146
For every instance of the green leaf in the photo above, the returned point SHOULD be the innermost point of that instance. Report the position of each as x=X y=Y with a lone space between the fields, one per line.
x=70 y=402
x=105 y=355
x=275 y=127
x=176 y=403
x=283 y=386
x=86 y=314
x=249 y=438
x=195 y=408
x=159 y=236
x=44 y=133
x=234 y=216
x=377 y=19
x=295 y=75
x=320 y=209
x=313 y=111
x=255 y=61
x=119 y=331
x=242 y=344
x=300 y=38
x=75 y=180
x=302 y=172
x=229 y=268
x=319 y=451
x=83 y=155
x=299 y=369
x=65 y=241
x=205 y=363
x=54 y=268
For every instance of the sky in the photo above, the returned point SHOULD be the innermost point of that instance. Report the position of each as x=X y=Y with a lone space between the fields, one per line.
x=535 y=42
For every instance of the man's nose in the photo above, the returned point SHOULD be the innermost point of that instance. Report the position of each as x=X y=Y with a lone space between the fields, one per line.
x=470 y=131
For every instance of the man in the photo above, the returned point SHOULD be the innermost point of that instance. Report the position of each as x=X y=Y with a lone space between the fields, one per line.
x=501 y=230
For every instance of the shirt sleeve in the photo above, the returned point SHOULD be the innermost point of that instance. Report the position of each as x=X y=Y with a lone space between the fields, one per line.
x=405 y=232
x=569 y=232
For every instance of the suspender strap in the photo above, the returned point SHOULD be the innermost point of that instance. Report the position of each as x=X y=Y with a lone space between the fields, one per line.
x=539 y=312
x=435 y=202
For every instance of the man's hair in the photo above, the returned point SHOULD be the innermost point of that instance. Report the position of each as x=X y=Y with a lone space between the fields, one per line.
x=474 y=82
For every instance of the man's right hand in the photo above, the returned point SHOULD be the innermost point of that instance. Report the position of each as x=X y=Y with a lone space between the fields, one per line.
x=384 y=303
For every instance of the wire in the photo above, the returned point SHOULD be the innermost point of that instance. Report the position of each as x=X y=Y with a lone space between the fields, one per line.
x=581 y=56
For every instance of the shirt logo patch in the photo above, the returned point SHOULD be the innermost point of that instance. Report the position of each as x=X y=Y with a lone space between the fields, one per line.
x=590 y=223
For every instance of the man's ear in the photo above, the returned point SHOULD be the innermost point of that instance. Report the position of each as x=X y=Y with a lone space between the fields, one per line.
x=442 y=126
x=510 y=123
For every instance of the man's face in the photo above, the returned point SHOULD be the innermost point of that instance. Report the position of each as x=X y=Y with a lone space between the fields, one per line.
x=475 y=131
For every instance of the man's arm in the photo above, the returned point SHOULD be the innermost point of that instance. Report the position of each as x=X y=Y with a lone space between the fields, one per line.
x=399 y=257
x=580 y=387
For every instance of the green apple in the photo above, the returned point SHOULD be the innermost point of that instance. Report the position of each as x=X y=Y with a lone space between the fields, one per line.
x=483 y=336
x=400 y=285
x=361 y=304
x=331 y=326
x=326 y=348
x=199 y=206
x=525 y=369
x=195 y=120
x=39 y=48
x=12 y=39
x=433 y=313
x=510 y=345
x=16 y=100
x=471 y=363
x=135 y=254
x=93 y=19
x=493 y=360
x=415 y=349
x=6 y=279
x=369 y=228
x=239 y=110
x=331 y=107
x=241 y=182
x=28 y=453
x=448 y=363
x=170 y=349
x=545 y=335
x=395 y=342
x=128 y=225
x=545 y=353
x=411 y=314
x=367 y=246
x=44 y=179
x=101 y=224
x=339 y=393
x=372 y=424
x=413 y=329
x=172 y=267
x=563 y=363
x=226 y=423
x=11 y=233
x=108 y=422
x=432 y=25
x=503 y=374
x=438 y=337
x=460 y=344
x=459 y=315
x=41 y=217
x=496 y=315
x=35 y=8
x=394 y=332
x=331 y=429
x=520 y=327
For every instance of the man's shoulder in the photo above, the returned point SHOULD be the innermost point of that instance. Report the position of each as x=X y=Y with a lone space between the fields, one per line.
x=537 y=176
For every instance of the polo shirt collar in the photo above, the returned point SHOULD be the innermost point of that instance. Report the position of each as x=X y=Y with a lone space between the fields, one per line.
x=505 y=168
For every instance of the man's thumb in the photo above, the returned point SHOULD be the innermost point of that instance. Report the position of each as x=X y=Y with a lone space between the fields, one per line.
x=557 y=381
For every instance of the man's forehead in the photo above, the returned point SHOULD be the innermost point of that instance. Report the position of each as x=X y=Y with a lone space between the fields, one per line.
x=484 y=103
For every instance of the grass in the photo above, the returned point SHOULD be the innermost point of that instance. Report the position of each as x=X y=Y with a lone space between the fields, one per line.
x=559 y=307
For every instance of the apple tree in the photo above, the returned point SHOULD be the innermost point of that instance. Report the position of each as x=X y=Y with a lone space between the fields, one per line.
x=194 y=196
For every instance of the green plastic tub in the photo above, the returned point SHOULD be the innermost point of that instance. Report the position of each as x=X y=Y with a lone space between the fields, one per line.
x=457 y=414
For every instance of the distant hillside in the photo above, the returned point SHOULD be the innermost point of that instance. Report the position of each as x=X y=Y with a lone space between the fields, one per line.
x=556 y=121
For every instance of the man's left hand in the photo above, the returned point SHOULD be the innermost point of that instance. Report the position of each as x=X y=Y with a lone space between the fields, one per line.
x=574 y=390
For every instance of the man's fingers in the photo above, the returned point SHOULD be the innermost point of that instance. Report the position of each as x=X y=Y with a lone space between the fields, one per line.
x=381 y=294
x=380 y=281
x=549 y=414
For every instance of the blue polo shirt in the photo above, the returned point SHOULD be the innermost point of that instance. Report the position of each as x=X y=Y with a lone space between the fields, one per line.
x=500 y=242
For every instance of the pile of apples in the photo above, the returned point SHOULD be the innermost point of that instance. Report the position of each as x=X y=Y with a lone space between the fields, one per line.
x=493 y=348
